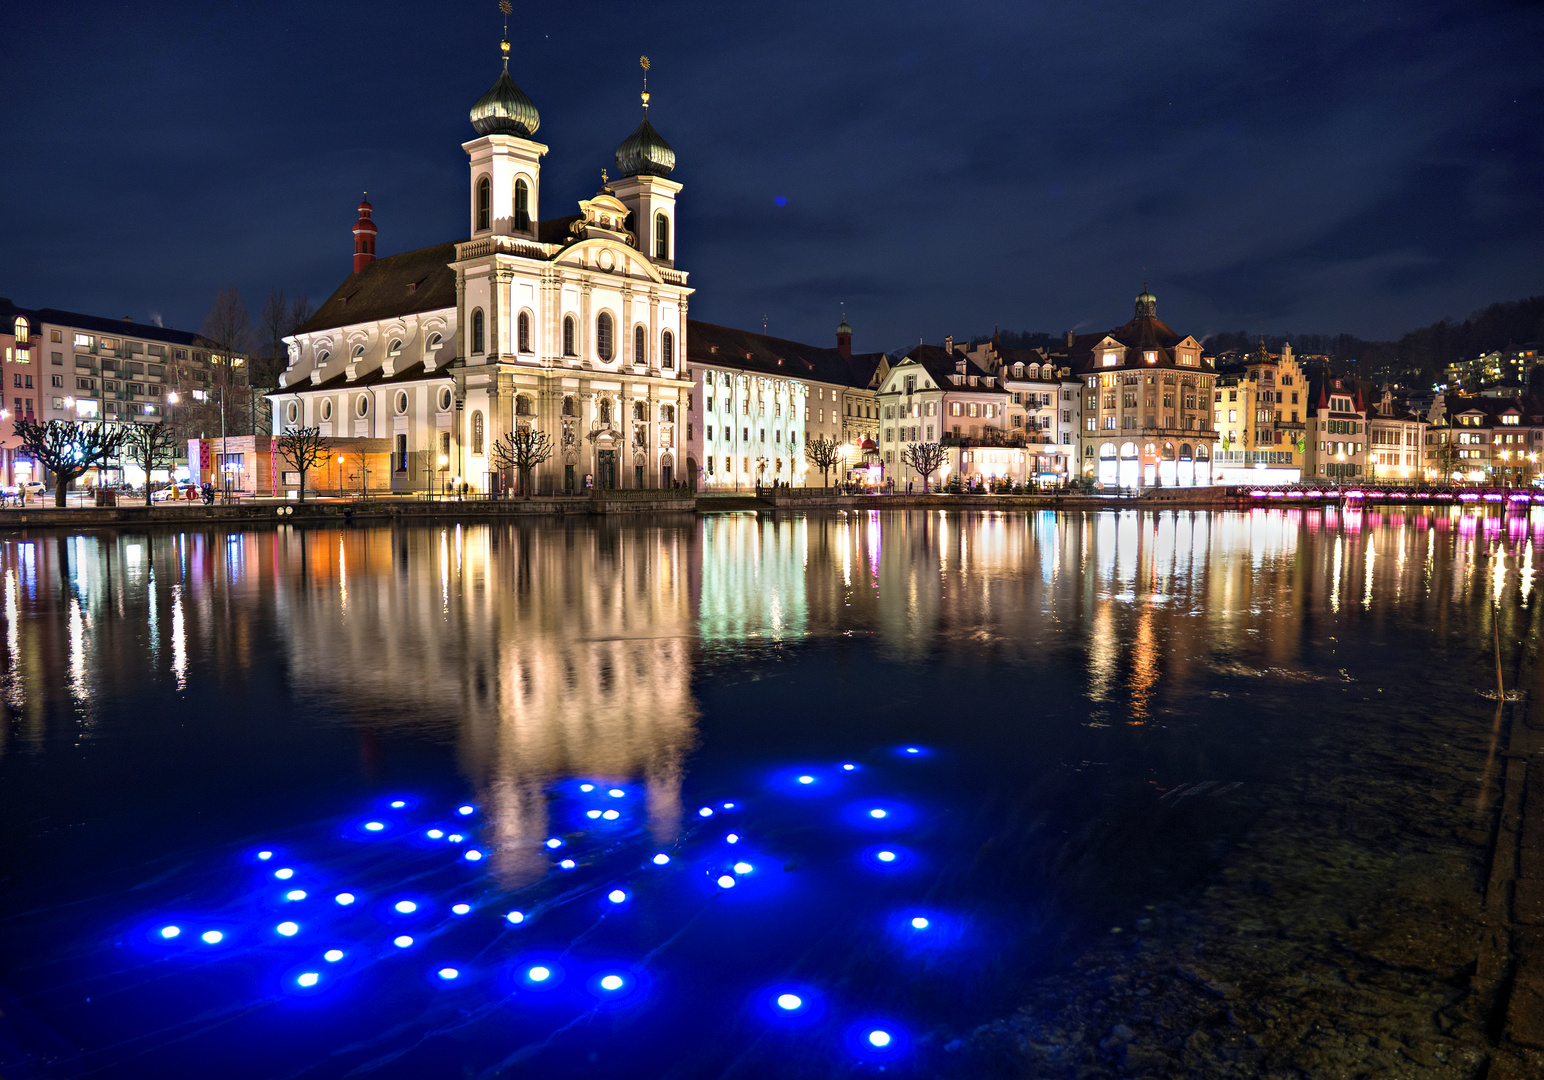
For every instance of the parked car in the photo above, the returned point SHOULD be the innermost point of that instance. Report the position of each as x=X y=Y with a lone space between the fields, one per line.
x=33 y=488
x=171 y=491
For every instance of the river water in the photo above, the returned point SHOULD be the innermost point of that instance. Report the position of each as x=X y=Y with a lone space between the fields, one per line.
x=731 y=796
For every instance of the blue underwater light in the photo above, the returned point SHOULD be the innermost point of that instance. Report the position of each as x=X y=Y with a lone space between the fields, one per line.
x=465 y=810
x=288 y=929
x=448 y=973
x=344 y=898
x=212 y=937
x=397 y=804
x=554 y=843
x=374 y=826
x=308 y=979
x=170 y=932
x=284 y=874
x=460 y=909
x=402 y=941
x=473 y=855
x=789 y=1002
x=661 y=859
x=332 y=956
x=405 y=907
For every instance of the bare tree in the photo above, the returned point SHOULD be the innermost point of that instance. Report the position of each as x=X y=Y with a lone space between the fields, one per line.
x=522 y=450
x=825 y=454
x=68 y=448
x=925 y=458
x=228 y=329
x=304 y=448
x=151 y=446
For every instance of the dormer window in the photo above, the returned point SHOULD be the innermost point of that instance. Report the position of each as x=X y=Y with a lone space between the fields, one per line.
x=357 y=352
x=395 y=348
x=1509 y=419
x=1109 y=359
x=1152 y=358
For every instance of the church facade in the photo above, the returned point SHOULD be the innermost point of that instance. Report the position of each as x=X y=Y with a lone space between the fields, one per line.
x=573 y=324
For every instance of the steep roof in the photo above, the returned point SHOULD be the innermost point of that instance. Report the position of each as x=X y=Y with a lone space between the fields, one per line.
x=723 y=346
x=1144 y=333
x=404 y=284
x=944 y=366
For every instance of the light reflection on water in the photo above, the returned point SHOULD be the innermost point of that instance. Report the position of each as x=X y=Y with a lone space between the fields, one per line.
x=629 y=652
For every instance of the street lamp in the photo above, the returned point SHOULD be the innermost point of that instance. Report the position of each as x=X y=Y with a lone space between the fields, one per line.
x=340 y=475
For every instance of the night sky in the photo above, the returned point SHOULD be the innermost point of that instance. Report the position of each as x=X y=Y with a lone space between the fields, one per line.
x=1365 y=167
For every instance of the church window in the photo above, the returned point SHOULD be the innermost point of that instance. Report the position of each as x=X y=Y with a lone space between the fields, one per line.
x=523 y=331
x=477 y=433
x=326 y=409
x=667 y=350
x=401 y=402
x=477 y=331
x=21 y=331
x=661 y=236
x=667 y=413
x=445 y=399
x=362 y=406
x=522 y=405
x=568 y=336
x=569 y=408
x=604 y=347
x=484 y=203
x=522 y=206
x=641 y=410
x=640 y=345
x=292 y=412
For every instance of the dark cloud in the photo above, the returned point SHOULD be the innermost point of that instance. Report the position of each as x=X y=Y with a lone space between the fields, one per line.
x=1365 y=167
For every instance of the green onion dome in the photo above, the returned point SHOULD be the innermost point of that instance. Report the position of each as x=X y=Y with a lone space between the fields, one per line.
x=505 y=110
x=645 y=153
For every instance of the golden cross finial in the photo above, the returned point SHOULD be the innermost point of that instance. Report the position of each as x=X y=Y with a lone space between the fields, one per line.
x=505 y=7
x=643 y=62
x=603 y=178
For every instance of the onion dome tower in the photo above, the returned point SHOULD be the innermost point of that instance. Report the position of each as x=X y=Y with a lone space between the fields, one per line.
x=844 y=336
x=364 y=237
x=504 y=109
x=645 y=162
x=645 y=152
x=1147 y=304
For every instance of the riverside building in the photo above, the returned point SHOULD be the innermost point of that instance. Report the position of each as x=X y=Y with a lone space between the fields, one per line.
x=573 y=324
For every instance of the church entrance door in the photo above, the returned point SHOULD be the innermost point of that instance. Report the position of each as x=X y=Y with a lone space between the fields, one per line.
x=608 y=469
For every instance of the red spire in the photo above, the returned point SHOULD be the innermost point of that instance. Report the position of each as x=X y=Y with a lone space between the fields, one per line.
x=1324 y=397
x=364 y=238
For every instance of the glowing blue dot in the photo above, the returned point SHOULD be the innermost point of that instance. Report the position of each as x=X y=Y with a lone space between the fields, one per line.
x=310 y=978
x=849 y=767
x=473 y=856
x=375 y=826
x=806 y=779
x=288 y=929
x=465 y=810
x=406 y=907
x=726 y=882
x=397 y=804
x=448 y=973
x=661 y=859
x=781 y=200
x=435 y=834
x=789 y=1002
x=295 y=894
x=592 y=814
x=554 y=843
x=733 y=838
x=876 y=813
x=265 y=855
x=284 y=874
x=616 y=896
x=460 y=909
x=538 y=974
x=611 y=815
x=455 y=838
x=332 y=956
x=344 y=898
x=919 y=923
x=706 y=811
x=729 y=806
x=616 y=793
x=611 y=982
x=516 y=917
x=586 y=787
x=886 y=856
x=879 y=1038
x=170 y=931
x=402 y=942
x=742 y=868
x=567 y=864
x=913 y=750
x=212 y=937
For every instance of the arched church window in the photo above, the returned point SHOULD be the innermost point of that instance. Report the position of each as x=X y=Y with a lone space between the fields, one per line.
x=522 y=206
x=569 y=407
x=640 y=345
x=22 y=330
x=667 y=350
x=604 y=347
x=641 y=410
x=523 y=405
x=667 y=413
x=484 y=203
x=477 y=331
x=568 y=335
x=477 y=433
x=523 y=331
x=661 y=236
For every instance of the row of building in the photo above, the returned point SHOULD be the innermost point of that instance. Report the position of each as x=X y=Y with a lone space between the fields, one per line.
x=421 y=364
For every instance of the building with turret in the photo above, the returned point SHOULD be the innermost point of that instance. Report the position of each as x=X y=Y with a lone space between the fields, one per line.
x=572 y=323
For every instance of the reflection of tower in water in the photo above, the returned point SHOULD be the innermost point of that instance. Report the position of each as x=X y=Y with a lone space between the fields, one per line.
x=550 y=651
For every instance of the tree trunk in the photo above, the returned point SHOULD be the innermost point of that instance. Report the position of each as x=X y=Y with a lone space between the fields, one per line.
x=302 y=496
x=525 y=483
x=61 y=482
